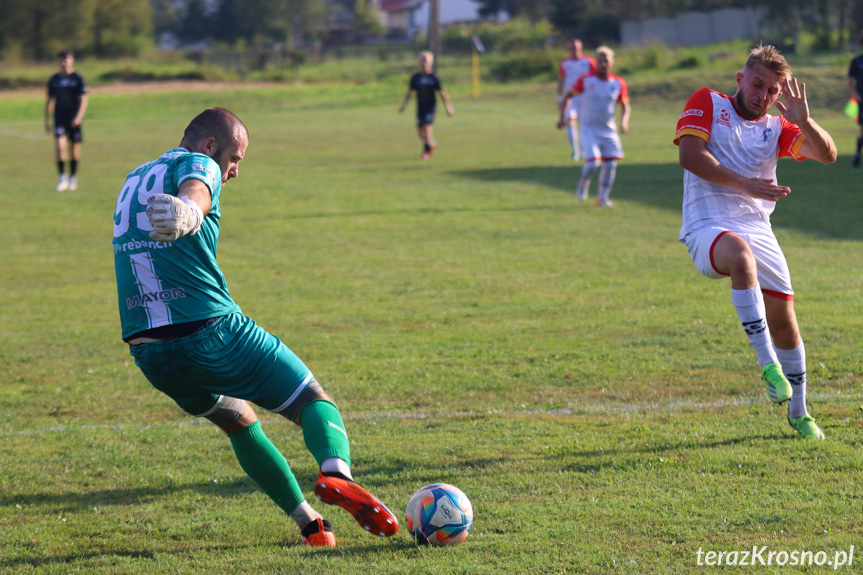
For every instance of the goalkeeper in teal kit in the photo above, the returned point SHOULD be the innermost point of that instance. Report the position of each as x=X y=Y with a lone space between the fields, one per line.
x=193 y=343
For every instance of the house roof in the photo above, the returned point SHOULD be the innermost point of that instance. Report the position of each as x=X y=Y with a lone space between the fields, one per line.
x=399 y=5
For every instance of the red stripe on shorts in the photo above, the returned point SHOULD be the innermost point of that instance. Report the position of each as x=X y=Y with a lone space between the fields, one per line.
x=777 y=294
x=713 y=245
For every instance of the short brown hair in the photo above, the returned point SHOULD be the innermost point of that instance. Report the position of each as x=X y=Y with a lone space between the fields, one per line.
x=770 y=58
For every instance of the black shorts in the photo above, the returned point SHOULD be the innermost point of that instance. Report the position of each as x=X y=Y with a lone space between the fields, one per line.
x=425 y=114
x=63 y=127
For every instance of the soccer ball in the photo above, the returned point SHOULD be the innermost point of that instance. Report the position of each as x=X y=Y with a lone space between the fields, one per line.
x=439 y=514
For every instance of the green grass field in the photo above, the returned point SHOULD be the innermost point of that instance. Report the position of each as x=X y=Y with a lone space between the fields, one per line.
x=565 y=365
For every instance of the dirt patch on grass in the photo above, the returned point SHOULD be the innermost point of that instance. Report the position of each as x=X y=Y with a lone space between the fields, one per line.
x=149 y=87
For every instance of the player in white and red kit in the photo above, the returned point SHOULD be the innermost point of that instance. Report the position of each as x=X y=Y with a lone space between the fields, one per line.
x=729 y=148
x=601 y=93
x=570 y=70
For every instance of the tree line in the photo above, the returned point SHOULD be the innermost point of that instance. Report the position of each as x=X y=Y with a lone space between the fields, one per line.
x=834 y=22
x=110 y=28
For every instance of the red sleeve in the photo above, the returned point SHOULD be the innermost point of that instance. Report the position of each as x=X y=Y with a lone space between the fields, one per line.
x=578 y=86
x=624 y=91
x=560 y=72
x=592 y=65
x=697 y=117
x=790 y=140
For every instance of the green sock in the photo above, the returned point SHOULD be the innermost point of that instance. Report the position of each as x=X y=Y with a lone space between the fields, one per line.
x=261 y=461
x=324 y=431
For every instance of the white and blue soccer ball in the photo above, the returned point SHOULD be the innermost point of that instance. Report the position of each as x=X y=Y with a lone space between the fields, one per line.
x=439 y=514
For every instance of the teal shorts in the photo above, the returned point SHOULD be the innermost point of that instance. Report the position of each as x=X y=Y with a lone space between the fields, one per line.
x=233 y=357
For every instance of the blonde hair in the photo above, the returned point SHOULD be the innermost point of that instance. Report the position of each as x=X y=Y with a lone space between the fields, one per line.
x=427 y=54
x=770 y=58
x=605 y=51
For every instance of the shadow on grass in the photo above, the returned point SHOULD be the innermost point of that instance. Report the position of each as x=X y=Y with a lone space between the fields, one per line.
x=405 y=212
x=135 y=496
x=825 y=201
x=49 y=561
x=402 y=544
x=683 y=446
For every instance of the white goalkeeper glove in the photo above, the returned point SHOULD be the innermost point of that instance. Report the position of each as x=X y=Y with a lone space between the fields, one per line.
x=173 y=218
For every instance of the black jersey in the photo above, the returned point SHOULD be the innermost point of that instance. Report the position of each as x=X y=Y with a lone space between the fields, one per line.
x=67 y=92
x=855 y=70
x=425 y=86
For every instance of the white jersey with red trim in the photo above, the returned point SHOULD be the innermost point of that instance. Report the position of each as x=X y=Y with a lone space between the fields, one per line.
x=751 y=148
x=572 y=69
x=599 y=98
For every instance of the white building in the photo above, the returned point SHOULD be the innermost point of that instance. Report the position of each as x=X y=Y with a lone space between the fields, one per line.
x=451 y=11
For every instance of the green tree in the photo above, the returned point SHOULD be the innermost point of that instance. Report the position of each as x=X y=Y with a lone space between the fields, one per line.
x=367 y=21
x=40 y=29
x=307 y=17
x=121 y=19
x=194 y=23
x=568 y=16
x=166 y=15
x=595 y=22
x=254 y=20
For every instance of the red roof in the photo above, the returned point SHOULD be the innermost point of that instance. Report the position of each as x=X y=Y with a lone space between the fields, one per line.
x=398 y=5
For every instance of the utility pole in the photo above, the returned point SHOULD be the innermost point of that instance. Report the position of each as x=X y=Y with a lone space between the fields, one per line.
x=434 y=31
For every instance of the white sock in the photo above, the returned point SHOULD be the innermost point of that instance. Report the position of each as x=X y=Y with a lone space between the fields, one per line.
x=337 y=465
x=572 y=135
x=304 y=514
x=606 y=178
x=587 y=171
x=794 y=367
x=749 y=304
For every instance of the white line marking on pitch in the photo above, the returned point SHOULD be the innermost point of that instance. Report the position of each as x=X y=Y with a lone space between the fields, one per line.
x=594 y=408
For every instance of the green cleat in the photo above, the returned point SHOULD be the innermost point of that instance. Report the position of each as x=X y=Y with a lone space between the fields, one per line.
x=778 y=388
x=806 y=427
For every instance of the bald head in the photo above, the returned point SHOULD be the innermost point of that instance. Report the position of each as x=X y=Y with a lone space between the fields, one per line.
x=219 y=134
x=218 y=123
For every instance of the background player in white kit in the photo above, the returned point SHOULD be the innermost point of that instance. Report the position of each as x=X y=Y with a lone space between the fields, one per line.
x=601 y=93
x=570 y=70
x=729 y=148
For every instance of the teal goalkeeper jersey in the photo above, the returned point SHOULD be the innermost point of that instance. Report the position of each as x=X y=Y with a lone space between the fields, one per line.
x=163 y=283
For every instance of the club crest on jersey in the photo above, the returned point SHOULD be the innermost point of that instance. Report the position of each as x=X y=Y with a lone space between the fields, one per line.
x=767 y=133
x=724 y=118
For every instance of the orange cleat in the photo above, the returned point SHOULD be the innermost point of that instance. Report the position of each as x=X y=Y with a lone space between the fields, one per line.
x=367 y=509
x=428 y=153
x=319 y=533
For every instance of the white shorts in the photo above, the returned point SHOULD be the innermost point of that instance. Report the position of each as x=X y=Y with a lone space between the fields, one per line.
x=571 y=112
x=600 y=146
x=773 y=274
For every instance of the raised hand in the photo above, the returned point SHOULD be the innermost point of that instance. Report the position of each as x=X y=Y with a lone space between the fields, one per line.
x=795 y=109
